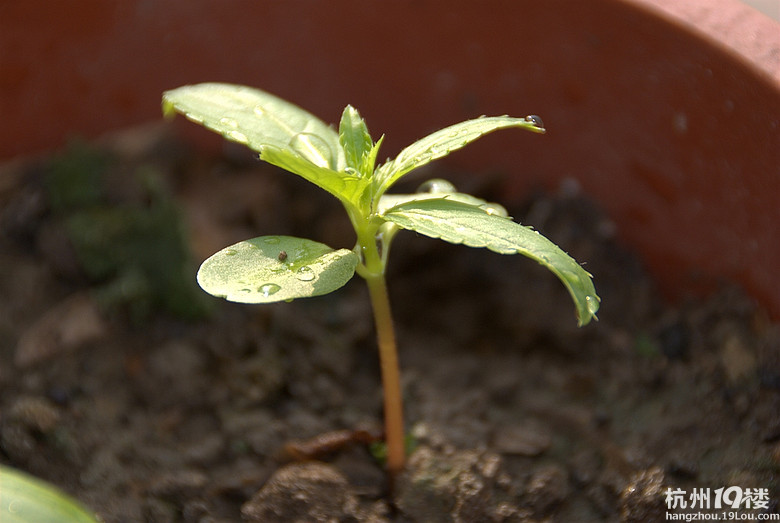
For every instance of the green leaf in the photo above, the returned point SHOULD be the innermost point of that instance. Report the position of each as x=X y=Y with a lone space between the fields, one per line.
x=257 y=119
x=462 y=223
x=370 y=160
x=344 y=186
x=443 y=142
x=276 y=268
x=284 y=134
x=388 y=201
x=26 y=499
x=356 y=141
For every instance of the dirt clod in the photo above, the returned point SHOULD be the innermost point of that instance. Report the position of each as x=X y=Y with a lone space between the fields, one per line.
x=547 y=487
x=305 y=492
x=456 y=486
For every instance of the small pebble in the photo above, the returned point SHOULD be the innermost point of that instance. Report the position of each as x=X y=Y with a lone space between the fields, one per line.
x=300 y=492
x=35 y=413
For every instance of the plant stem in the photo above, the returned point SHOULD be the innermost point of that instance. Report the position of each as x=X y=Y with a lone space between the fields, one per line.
x=391 y=379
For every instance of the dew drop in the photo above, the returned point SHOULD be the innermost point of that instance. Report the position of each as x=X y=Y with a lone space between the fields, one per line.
x=268 y=289
x=259 y=110
x=238 y=137
x=305 y=273
x=535 y=120
x=245 y=290
x=592 y=302
x=436 y=185
x=231 y=252
x=313 y=148
x=229 y=122
x=271 y=240
x=495 y=209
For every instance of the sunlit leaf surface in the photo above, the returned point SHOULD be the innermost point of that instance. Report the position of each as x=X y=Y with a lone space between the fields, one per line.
x=276 y=268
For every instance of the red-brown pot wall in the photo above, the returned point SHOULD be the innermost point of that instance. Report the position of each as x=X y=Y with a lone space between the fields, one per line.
x=677 y=138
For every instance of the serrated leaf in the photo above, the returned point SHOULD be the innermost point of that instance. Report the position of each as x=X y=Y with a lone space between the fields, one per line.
x=443 y=142
x=356 y=141
x=269 y=269
x=27 y=499
x=462 y=223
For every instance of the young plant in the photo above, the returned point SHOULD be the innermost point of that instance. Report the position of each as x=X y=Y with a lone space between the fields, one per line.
x=281 y=268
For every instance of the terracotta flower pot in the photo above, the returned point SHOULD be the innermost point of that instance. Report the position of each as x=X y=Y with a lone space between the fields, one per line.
x=665 y=111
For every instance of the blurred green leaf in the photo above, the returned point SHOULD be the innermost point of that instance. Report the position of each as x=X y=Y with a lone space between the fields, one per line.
x=27 y=499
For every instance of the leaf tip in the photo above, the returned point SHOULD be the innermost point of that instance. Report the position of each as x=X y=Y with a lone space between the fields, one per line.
x=592 y=304
x=168 y=108
x=536 y=122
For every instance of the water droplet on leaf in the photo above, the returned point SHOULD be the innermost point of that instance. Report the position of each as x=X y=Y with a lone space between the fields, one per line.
x=229 y=122
x=592 y=302
x=496 y=209
x=268 y=289
x=271 y=240
x=436 y=185
x=238 y=137
x=230 y=252
x=535 y=120
x=305 y=273
x=259 y=111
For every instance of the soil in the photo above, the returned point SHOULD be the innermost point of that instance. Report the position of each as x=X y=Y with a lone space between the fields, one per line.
x=162 y=412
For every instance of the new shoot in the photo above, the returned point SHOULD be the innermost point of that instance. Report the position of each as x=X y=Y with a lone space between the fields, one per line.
x=270 y=269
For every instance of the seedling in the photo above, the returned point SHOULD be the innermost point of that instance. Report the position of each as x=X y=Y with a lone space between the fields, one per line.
x=282 y=268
